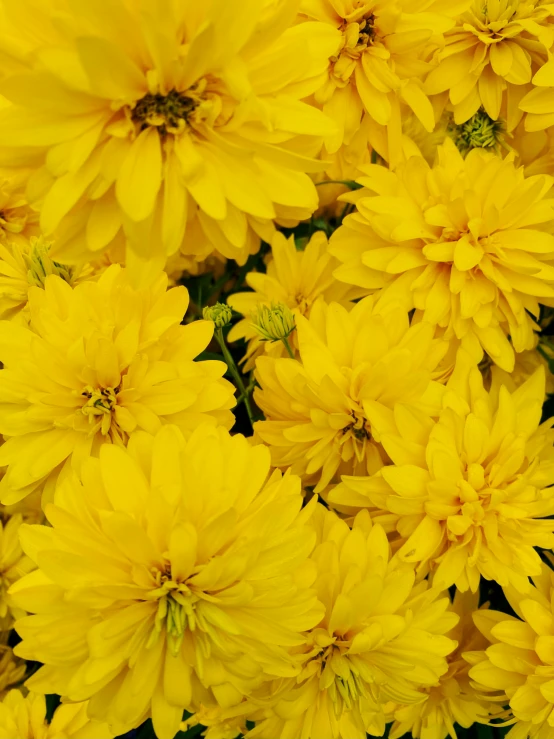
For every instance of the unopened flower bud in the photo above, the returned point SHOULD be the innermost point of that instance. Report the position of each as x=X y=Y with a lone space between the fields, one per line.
x=219 y=313
x=479 y=132
x=273 y=323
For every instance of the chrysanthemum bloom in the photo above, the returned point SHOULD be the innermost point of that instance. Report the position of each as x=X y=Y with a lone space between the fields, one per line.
x=100 y=361
x=150 y=116
x=519 y=663
x=453 y=700
x=491 y=55
x=357 y=372
x=27 y=263
x=24 y=717
x=381 y=640
x=296 y=278
x=14 y=564
x=467 y=242
x=178 y=574
x=382 y=52
x=471 y=490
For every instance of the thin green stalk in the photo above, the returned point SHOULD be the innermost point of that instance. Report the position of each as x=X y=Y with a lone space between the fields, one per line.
x=233 y=369
x=287 y=347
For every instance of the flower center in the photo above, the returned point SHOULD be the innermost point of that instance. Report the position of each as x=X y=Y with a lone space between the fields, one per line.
x=176 y=611
x=170 y=113
x=359 y=428
x=357 y=37
x=99 y=407
x=12 y=221
x=479 y=132
x=40 y=265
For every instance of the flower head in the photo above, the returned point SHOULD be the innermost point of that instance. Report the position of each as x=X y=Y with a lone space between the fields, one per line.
x=24 y=264
x=472 y=494
x=467 y=242
x=517 y=666
x=24 y=717
x=453 y=700
x=383 y=50
x=98 y=362
x=177 y=575
x=479 y=132
x=491 y=55
x=172 y=131
x=381 y=641
x=296 y=278
x=327 y=411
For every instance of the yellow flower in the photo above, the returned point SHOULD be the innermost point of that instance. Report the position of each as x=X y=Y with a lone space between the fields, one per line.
x=28 y=263
x=453 y=700
x=383 y=49
x=467 y=242
x=296 y=278
x=98 y=362
x=381 y=640
x=12 y=668
x=356 y=371
x=517 y=668
x=147 y=118
x=177 y=573
x=491 y=55
x=24 y=717
x=471 y=491
x=14 y=564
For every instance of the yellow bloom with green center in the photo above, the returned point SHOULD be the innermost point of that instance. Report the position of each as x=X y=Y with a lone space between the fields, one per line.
x=176 y=575
x=98 y=362
x=467 y=242
x=24 y=716
x=296 y=278
x=471 y=491
x=454 y=700
x=383 y=640
x=326 y=412
x=383 y=50
x=24 y=264
x=168 y=127
x=490 y=56
x=517 y=668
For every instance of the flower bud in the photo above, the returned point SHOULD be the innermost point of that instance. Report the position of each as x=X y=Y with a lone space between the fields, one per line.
x=219 y=313
x=273 y=323
x=479 y=132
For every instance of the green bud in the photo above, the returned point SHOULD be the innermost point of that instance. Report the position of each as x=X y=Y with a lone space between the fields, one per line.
x=273 y=323
x=41 y=265
x=219 y=313
x=479 y=132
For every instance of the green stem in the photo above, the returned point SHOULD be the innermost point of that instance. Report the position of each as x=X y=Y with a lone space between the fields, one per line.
x=374 y=156
x=287 y=347
x=235 y=373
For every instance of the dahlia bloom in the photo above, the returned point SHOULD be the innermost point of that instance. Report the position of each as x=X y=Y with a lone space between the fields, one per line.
x=382 y=639
x=472 y=492
x=383 y=49
x=165 y=126
x=98 y=362
x=357 y=371
x=468 y=243
x=453 y=700
x=491 y=55
x=518 y=666
x=175 y=575
x=24 y=717
x=295 y=278
x=27 y=263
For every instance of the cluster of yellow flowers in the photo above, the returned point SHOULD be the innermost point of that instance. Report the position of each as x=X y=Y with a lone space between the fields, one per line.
x=276 y=346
